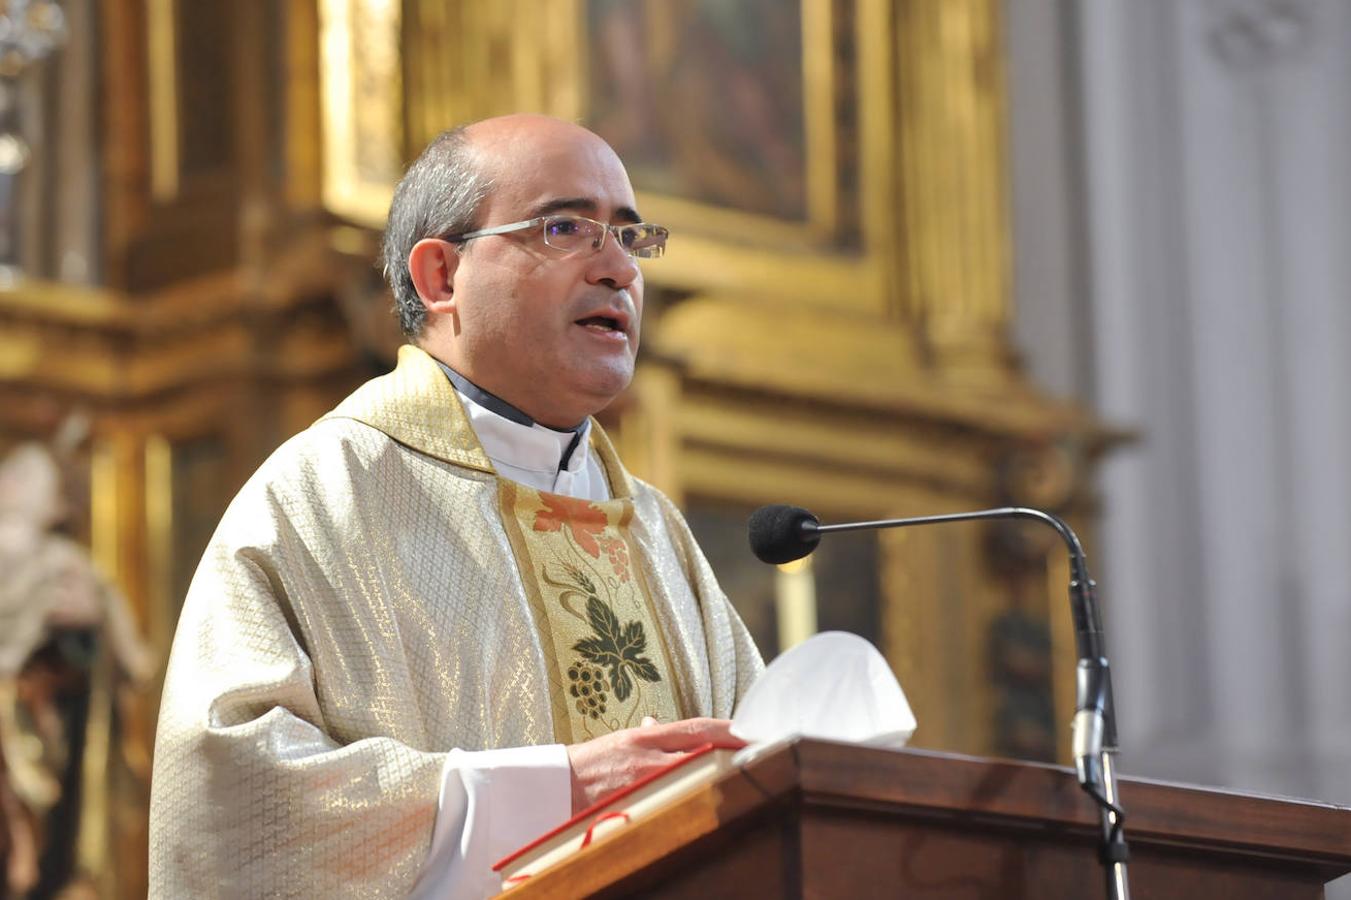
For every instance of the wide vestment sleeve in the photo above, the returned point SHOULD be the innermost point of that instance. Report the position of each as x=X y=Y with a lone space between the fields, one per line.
x=262 y=788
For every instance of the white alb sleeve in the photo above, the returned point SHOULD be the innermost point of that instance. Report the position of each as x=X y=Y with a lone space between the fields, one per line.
x=492 y=802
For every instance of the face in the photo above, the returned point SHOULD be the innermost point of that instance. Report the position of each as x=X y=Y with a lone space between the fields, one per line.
x=555 y=335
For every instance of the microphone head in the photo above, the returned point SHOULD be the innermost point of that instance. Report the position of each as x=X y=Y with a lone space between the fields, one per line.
x=781 y=534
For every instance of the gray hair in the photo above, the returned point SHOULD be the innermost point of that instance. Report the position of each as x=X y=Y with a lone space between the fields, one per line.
x=438 y=195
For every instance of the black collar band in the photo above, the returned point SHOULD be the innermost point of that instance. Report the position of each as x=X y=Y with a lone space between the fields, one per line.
x=496 y=404
x=484 y=399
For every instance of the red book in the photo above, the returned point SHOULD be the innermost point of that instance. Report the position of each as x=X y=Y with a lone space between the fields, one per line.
x=623 y=807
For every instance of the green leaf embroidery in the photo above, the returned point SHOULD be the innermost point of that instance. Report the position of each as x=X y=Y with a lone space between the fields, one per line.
x=618 y=648
x=633 y=637
x=594 y=649
x=603 y=620
x=644 y=669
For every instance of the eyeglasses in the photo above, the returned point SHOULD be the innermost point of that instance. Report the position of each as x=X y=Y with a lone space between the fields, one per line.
x=573 y=234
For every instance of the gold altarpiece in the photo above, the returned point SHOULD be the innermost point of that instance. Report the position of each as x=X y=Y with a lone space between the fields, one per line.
x=829 y=327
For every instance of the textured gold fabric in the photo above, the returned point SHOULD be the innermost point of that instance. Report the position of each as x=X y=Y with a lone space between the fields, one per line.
x=358 y=613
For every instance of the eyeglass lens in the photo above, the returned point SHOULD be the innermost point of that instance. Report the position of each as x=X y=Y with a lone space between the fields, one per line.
x=571 y=233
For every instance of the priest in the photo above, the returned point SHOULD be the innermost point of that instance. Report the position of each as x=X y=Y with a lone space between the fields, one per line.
x=444 y=618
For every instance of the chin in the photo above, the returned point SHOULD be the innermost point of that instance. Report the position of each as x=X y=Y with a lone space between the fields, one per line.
x=603 y=387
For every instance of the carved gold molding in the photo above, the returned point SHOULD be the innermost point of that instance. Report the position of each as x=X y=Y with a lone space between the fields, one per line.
x=105 y=510
x=468 y=61
x=162 y=78
x=159 y=526
x=98 y=343
x=362 y=97
x=951 y=142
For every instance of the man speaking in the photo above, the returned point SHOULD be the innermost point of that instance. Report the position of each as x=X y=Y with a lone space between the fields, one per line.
x=444 y=617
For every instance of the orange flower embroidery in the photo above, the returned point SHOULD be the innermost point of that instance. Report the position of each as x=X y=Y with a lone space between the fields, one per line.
x=619 y=557
x=585 y=520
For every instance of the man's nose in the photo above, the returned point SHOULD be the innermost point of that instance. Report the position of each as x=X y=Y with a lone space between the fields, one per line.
x=612 y=264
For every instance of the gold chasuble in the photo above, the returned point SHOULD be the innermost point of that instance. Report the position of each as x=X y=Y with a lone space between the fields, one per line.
x=377 y=596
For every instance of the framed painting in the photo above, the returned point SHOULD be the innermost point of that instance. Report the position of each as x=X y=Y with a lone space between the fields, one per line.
x=748 y=128
x=740 y=126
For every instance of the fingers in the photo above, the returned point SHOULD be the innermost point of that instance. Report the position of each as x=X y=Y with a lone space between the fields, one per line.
x=689 y=734
x=605 y=764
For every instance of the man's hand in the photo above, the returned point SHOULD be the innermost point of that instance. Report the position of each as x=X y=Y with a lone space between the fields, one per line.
x=605 y=764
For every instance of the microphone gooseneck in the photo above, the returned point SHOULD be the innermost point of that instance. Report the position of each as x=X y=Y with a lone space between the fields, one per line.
x=781 y=533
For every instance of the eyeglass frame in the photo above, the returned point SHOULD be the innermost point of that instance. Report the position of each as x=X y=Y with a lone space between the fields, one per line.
x=542 y=221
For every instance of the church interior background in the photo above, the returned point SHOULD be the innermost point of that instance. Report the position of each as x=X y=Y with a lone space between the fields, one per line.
x=926 y=257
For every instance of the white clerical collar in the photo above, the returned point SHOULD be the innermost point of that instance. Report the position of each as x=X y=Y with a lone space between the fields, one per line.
x=510 y=436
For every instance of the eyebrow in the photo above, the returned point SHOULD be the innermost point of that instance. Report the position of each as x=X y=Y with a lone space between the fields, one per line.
x=583 y=205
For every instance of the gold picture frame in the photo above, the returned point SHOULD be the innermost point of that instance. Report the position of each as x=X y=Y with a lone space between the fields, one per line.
x=458 y=61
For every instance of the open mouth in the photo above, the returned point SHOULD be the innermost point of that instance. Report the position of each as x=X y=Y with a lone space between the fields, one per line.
x=603 y=324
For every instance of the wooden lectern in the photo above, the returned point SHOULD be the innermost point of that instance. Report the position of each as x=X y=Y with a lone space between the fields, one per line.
x=820 y=819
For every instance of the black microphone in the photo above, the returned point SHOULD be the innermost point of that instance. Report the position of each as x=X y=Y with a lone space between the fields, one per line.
x=780 y=534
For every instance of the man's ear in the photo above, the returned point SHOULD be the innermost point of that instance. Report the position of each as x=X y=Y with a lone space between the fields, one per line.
x=431 y=265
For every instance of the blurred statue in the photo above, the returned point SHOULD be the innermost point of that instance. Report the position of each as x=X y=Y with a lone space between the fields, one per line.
x=60 y=621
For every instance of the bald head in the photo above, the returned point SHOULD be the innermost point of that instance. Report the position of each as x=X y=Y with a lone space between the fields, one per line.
x=494 y=135
x=552 y=330
x=529 y=160
x=445 y=187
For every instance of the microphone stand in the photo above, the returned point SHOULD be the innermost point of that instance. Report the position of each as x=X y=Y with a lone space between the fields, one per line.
x=1094 y=731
